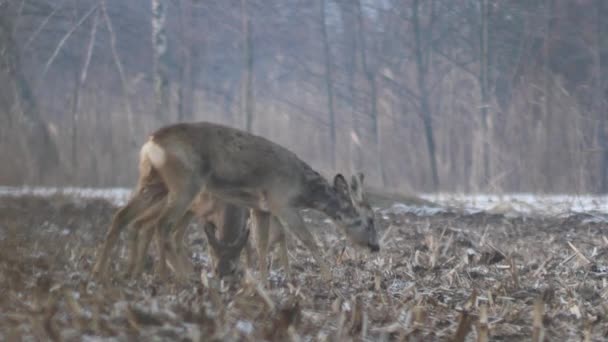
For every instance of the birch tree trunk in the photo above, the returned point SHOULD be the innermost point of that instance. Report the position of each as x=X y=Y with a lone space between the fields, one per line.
x=248 y=64
x=329 y=85
x=159 y=39
x=33 y=132
x=370 y=76
x=483 y=86
x=423 y=47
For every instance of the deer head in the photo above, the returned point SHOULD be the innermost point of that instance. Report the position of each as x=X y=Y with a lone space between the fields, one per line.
x=355 y=215
x=226 y=254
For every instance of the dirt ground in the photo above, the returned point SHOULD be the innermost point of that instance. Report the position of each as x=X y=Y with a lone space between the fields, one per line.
x=448 y=276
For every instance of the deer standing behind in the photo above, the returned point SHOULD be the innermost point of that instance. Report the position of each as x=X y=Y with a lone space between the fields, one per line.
x=242 y=169
x=225 y=226
x=225 y=243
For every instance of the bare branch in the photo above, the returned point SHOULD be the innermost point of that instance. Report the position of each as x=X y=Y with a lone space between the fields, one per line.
x=42 y=25
x=65 y=38
x=119 y=67
x=87 y=61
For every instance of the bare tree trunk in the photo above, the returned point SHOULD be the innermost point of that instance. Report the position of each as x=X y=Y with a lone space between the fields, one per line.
x=41 y=150
x=75 y=105
x=185 y=66
x=121 y=74
x=548 y=98
x=599 y=106
x=370 y=76
x=350 y=29
x=328 y=84
x=248 y=61
x=484 y=88
x=159 y=39
x=423 y=52
x=79 y=79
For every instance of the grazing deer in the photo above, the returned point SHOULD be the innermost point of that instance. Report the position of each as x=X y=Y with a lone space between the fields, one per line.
x=225 y=245
x=148 y=201
x=247 y=170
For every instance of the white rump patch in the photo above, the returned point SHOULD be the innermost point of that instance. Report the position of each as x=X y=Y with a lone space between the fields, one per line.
x=154 y=153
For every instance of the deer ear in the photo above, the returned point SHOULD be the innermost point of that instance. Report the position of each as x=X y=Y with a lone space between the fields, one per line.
x=361 y=177
x=356 y=187
x=241 y=241
x=210 y=232
x=341 y=185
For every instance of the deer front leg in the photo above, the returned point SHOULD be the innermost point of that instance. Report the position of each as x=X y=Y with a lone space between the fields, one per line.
x=292 y=219
x=261 y=224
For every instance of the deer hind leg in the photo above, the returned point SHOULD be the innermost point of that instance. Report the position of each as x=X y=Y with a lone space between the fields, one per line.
x=249 y=249
x=179 y=259
x=183 y=185
x=261 y=224
x=278 y=233
x=294 y=222
x=121 y=219
x=141 y=227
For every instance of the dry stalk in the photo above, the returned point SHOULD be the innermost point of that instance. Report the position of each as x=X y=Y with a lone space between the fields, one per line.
x=49 y=327
x=464 y=326
x=431 y=245
x=587 y=331
x=340 y=326
x=482 y=328
x=447 y=246
x=490 y=298
x=386 y=234
x=341 y=256
x=260 y=290
x=76 y=309
x=293 y=335
x=538 y=331
x=377 y=281
x=542 y=267
x=466 y=320
x=567 y=259
x=418 y=318
x=514 y=273
x=356 y=319
x=581 y=256
x=364 y=326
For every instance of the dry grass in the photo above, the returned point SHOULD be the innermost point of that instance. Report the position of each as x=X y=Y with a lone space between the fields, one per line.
x=447 y=277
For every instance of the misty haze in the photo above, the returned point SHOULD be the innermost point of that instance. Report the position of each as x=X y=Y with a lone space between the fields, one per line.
x=321 y=170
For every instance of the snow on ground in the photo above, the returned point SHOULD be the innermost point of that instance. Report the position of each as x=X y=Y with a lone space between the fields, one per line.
x=523 y=204
x=117 y=196
x=508 y=204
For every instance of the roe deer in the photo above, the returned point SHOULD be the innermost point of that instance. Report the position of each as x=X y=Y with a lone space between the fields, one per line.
x=225 y=245
x=247 y=170
x=144 y=208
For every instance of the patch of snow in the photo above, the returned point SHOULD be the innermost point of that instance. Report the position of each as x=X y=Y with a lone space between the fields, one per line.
x=398 y=285
x=245 y=327
x=516 y=204
x=400 y=208
x=118 y=196
x=510 y=205
x=523 y=203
